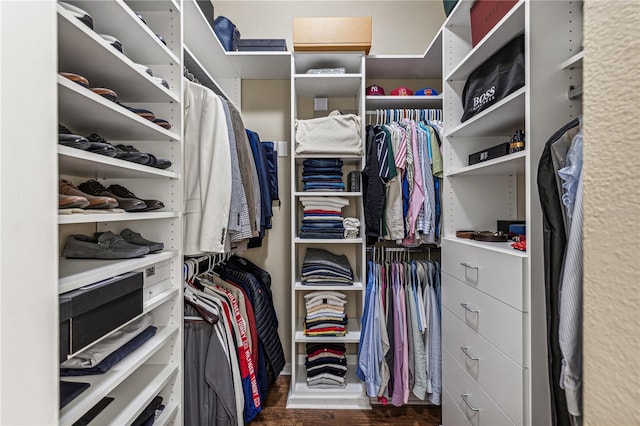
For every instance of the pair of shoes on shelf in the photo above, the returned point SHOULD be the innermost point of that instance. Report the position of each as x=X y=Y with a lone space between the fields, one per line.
x=126 y=199
x=93 y=144
x=83 y=16
x=149 y=115
x=147 y=159
x=107 y=245
x=72 y=197
x=84 y=82
x=145 y=22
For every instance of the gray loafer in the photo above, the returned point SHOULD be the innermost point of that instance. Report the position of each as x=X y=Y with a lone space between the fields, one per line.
x=107 y=245
x=135 y=238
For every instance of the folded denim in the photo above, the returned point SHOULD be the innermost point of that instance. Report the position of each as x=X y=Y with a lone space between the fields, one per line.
x=322 y=227
x=322 y=170
x=325 y=218
x=322 y=162
x=322 y=177
x=114 y=357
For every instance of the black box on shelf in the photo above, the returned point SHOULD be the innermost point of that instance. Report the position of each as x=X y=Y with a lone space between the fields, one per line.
x=353 y=181
x=65 y=327
x=99 y=308
x=262 y=44
x=489 y=153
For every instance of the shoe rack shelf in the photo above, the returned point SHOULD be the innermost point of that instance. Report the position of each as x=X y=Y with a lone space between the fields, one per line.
x=84 y=111
x=87 y=54
x=156 y=367
x=77 y=162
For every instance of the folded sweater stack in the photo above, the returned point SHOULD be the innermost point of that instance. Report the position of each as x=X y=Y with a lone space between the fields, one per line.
x=321 y=267
x=325 y=314
x=326 y=365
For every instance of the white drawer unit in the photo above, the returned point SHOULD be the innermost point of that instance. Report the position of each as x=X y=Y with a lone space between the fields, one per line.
x=500 y=377
x=475 y=404
x=451 y=411
x=499 y=323
x=492 y=272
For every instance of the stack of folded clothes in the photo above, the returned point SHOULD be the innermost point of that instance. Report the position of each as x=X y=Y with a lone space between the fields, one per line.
x=322 y=174
x=351 y=227
x=323 y=217
x=321 y=267
x=325 y=314
x=326 y=365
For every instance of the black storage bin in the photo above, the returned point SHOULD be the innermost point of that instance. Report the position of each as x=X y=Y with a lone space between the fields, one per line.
x=65 y=327
x=102 y=307
x=262 y=44
x=489 y=153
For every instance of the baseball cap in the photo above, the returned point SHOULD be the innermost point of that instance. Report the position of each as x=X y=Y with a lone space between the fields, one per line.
x=401 y=91
x=375 y=90
x=426 y=91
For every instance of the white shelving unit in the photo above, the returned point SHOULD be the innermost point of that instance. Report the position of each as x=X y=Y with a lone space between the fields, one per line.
x=348 y=85
x=156 y=367
x=497 y=284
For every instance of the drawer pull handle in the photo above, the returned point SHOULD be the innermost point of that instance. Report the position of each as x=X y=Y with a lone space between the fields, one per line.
x=468 y=309
x=465 y=350
x=466 y=401
x=466 y=265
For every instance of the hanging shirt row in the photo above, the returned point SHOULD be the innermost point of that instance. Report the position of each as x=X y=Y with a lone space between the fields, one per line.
x=232 y=350
x=230 y=176
x=402 y=181
x=400 y=341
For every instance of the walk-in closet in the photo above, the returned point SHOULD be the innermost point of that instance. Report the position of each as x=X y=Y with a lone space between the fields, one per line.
x=319 y=212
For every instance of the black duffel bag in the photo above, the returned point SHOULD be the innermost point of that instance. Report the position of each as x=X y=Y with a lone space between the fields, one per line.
x=498 y=77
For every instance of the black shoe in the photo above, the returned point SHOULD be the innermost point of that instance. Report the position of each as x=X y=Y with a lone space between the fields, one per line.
x=135 y=238
x=101 y=146
x=158 y=163
x=107 y=245
x=94 y=187
x=123 y=192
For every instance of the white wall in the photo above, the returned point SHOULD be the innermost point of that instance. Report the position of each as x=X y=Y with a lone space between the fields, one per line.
x=611 y=213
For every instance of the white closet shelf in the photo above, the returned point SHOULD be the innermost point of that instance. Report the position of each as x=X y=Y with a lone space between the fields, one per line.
x=84 y=52
x=327 y=85
x=85 y=112
x=573 y=62
x=95 y=216
x=102 y=384
x=326 y=194
x=357 y=286
x=459 y=16
x=168 y=414
x=75 y=273
x=305 y=61
x=427 y=66
x=205 y=46
x=404 y=102
x=133 y=395
x=500 y=119
x=346 y=159
x=75 y=162
x=139 y=43
x=153 y=5
x=352 y=334
x=352 y=396
x=509 y=27
x=499 y=247
x=511 y=164
x=327 y=241
x=154 y=302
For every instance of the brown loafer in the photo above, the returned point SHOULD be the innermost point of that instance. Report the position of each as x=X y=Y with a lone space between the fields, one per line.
x=95 y=202
x=105 y=93
x=76 y=78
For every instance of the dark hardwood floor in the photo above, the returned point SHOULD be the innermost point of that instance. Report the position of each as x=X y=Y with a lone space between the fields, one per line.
x=274 y=413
